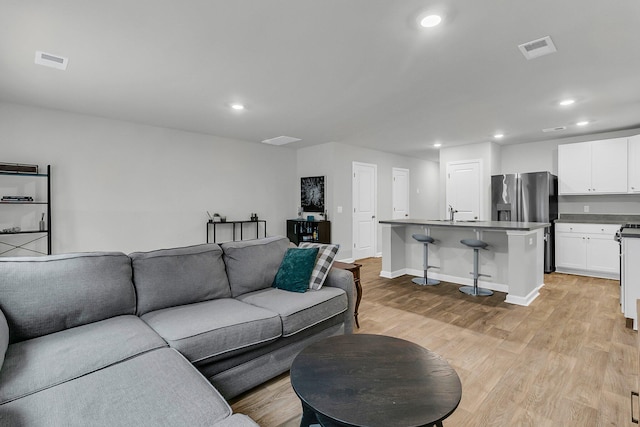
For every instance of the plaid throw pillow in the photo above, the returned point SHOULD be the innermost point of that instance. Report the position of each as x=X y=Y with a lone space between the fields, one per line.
x=324 y=261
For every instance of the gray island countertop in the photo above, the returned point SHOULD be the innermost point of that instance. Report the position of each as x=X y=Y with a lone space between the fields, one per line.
x=483 y=225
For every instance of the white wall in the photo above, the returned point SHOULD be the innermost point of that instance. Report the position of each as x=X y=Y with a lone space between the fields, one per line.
x=335 y=160
x=128 y=187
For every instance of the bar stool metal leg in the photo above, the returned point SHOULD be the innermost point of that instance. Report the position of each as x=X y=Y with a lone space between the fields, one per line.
x=425 y=281
x=475 y=290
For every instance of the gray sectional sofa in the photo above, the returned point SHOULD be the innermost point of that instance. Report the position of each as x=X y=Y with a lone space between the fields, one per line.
x=156 y=338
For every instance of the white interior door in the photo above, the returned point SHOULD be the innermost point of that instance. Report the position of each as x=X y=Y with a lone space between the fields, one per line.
x=364 y=209
x=400 y=191
x=464 y=189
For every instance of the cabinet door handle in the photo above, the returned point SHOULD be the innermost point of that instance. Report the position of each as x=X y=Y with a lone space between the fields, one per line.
x=633 y=419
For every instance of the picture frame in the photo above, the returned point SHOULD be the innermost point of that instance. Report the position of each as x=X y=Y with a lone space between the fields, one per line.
x=312 y=194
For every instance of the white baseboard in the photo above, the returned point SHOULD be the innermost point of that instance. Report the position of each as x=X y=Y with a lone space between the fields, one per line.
x=499 y=287
x=578 y=272
x=525 y=301
x=392 y=274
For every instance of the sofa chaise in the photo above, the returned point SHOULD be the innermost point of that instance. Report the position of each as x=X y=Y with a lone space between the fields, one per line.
x=153 y=338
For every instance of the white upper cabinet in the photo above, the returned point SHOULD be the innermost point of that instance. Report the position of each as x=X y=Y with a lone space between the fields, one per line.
x=634 y=164
x=595 y=167
x=574 y=168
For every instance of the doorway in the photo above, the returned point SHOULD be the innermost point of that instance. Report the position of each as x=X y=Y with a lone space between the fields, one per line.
x=400 y=193
x=464 y=189
x=364 y=190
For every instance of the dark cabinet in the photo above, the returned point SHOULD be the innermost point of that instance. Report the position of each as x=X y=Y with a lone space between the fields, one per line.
x=299 y=231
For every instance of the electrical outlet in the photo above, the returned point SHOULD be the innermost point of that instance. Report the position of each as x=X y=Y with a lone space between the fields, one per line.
x=586 y=208
x=339 y=209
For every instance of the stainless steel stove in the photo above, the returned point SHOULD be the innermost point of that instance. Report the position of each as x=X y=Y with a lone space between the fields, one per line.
x=618 y=236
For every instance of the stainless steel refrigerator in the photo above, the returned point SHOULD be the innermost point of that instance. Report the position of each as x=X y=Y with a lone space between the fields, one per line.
x=528 y=197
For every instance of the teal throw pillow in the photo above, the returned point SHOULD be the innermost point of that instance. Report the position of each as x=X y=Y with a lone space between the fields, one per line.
x=295 y=270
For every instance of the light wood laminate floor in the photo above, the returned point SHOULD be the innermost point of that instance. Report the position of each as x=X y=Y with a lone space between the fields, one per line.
x=566 y=360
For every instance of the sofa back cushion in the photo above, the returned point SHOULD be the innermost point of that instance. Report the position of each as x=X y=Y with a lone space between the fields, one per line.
x=253 y=264
x=42 y=295
x=172 y=277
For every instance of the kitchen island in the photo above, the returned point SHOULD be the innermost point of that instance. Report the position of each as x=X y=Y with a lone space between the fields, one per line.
x=514 y=259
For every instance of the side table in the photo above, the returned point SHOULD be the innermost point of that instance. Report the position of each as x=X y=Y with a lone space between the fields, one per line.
x=355 y=270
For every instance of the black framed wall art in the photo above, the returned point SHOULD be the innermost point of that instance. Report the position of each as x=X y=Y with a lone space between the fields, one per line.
x=312 y=194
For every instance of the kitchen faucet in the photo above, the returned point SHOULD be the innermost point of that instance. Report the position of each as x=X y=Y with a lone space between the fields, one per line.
x=452 y=213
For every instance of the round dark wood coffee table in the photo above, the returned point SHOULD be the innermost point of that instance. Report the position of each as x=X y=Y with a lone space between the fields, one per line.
x=373 y=380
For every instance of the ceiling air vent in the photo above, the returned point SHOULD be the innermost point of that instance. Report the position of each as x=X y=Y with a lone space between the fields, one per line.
x=555 y=129
x=281 y=140
x=50 y=60
x=536 y=48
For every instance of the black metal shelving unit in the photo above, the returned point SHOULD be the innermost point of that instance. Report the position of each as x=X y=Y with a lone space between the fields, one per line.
x=36 y=232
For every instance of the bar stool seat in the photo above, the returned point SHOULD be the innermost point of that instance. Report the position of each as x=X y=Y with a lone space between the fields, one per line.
x=426 y=241
x=475 y=290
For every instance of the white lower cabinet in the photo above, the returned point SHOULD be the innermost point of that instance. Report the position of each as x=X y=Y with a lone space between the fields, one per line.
x=587 y=249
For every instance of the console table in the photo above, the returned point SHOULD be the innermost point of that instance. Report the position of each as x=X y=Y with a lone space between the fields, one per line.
x=212 y=224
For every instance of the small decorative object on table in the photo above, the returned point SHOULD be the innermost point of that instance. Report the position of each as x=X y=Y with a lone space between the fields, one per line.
x=215 y=217
x=254 y=217
x=41 y=224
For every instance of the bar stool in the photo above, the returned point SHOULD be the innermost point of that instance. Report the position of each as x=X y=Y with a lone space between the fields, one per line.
x=425 y=240
x=475 y=290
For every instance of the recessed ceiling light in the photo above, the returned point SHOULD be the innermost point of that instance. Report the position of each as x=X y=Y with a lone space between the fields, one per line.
x=566 y=102
x=430 y=21
x=498 y=135
x=237 y=107
x=437 y=144
x=583 y=123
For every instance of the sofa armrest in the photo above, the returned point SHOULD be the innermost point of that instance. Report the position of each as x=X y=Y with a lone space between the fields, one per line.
x=4 y=337
x=343 y=279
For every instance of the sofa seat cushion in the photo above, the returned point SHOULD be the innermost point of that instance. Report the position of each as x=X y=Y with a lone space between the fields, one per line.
x=210 y=329
x=299 y=311
x=158 y=388
x=43 y=362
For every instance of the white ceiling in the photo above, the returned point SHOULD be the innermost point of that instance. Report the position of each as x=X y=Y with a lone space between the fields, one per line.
x=353 y=71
